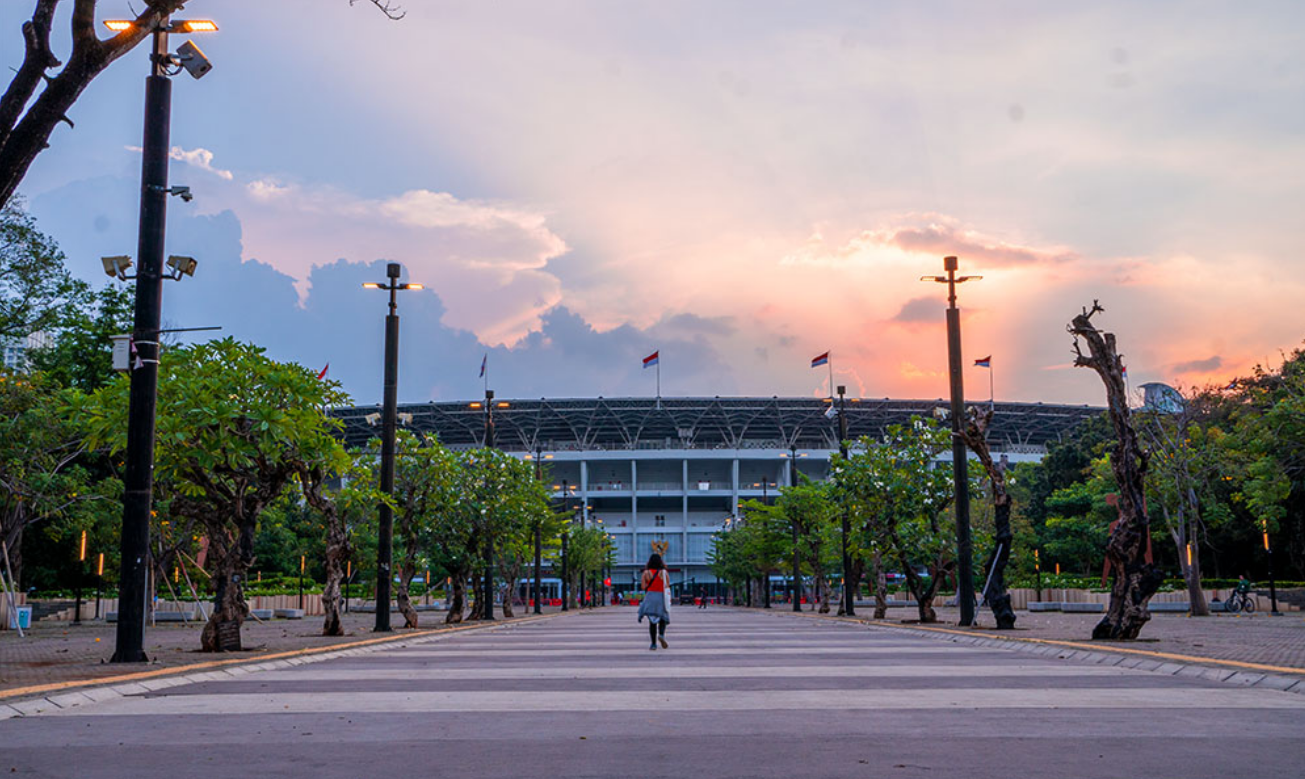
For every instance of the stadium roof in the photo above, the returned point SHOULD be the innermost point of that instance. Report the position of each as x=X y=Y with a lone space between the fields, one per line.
x=585 y=424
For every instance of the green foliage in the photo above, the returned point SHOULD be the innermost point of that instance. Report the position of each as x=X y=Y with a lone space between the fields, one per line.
x=35 y=287
x=79 y=350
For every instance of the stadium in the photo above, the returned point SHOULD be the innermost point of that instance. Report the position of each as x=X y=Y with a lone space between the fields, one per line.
x=674 y=469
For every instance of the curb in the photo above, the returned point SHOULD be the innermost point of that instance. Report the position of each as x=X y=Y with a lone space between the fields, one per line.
x=1236 y=672
x=81 y=693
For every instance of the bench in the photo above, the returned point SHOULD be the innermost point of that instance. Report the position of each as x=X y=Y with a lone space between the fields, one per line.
x=163 y=616
x=1082 y=608
x=1169 y=607
x=1044 y=605
x=289 y=613
x=263 y=614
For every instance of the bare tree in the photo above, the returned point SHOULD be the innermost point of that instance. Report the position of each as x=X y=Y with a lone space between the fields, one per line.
x=26 y=124
x=975 y=435
x=1133 y=579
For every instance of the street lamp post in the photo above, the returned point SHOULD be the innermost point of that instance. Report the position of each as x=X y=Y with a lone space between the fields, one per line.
x=539 y=533
x=489 y=537
x=797 y=564
x=81 y=568
x=389 y=426
x=1273 y=585
x=566 y=507
x=960 y=462
x=849 y=586
x=138 y=478
x=765 y=501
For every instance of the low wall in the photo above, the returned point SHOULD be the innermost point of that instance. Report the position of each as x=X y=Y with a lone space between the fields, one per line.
x=1021 y=596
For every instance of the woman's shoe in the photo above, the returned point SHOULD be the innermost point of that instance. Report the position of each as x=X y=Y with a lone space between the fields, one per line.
x=652 y=647
x=664 y=644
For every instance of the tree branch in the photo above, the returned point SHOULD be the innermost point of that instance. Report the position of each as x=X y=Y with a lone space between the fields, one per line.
x=37 y=60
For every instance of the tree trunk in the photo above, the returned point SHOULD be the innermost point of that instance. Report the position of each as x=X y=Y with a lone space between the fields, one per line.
x=402 y=598
x=881 y=586
x=477 y=596
x=1134 y=579
x=975 y=435
x=14 y=545
x=457 y=600
x=337 y=552
x=222 y=631
x=923 y=595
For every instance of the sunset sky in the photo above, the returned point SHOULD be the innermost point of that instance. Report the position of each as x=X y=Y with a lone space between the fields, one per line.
x=740 y=185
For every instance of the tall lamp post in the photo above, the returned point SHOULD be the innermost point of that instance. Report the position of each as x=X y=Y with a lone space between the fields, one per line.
x=849 y=587
x=1273 y=585
x=566 y=508
x=138 y=479
x=389 y=425
x=539 y=531
x=489 y=537
x=960 y=462
x=797 y=560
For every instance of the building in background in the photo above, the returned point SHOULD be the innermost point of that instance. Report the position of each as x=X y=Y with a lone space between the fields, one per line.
x=675 y=469
x=14 y=351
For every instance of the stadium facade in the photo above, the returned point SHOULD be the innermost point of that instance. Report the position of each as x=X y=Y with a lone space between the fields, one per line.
x=675 y=469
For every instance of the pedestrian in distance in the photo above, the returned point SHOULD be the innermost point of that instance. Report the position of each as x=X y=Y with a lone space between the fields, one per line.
x=702 y=601
x=656 y=603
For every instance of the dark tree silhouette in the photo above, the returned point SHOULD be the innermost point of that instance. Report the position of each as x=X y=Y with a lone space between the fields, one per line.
x=26 y=123
x=1133 y=579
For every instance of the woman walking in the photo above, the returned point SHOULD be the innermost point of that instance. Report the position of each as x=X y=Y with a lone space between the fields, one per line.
x=656 y=603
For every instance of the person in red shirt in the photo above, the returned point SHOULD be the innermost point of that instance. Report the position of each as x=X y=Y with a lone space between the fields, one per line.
x=656 y=601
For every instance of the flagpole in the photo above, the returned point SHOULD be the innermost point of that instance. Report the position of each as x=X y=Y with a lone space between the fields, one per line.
x=830 y=362
x=659 y=380
x=992 y=392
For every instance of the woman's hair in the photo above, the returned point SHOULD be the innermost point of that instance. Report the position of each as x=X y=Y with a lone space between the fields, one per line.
x=655 y=563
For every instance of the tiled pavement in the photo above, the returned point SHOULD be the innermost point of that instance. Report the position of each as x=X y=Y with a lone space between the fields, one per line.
x=738 y=694
x=55 y=652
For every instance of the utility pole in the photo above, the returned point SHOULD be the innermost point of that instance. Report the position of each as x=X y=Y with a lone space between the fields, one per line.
x=960 y=461
x=389 y=428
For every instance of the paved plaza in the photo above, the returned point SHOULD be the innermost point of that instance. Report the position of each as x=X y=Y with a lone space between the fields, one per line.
x=738 y=694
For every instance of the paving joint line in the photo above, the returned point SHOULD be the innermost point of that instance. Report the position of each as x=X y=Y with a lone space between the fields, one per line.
x=1236 y=672
x=87 y=691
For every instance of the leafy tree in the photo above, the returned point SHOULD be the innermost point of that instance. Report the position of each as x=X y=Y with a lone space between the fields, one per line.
x=79 y=351
x=906 y=495
x=35 y=287
x=41 y=478
x=234 y=428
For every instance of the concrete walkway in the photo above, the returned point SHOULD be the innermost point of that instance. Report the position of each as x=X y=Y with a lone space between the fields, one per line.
x=738 y=694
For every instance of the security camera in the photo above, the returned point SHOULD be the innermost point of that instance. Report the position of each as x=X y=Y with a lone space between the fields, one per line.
x=116 y=266
x=183 y=192
x=182 y=266
x=193 y=60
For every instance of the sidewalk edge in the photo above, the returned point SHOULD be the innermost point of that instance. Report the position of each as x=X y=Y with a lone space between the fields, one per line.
x=1237 y=672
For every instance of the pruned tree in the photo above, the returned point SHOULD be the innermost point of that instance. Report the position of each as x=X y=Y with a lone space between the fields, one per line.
x=37 y=101
x=340 y=509
x=975 y=435
x=1133 y=579
x=234 y=429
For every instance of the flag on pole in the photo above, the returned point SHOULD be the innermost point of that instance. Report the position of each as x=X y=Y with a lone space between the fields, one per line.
x=1123 y=371
x=985 y=362
x=823 y=359
x=483 y=362
x=322 y=375
x=651 y=359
